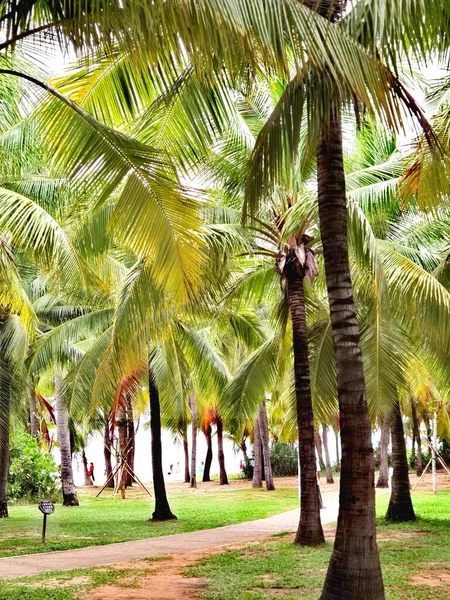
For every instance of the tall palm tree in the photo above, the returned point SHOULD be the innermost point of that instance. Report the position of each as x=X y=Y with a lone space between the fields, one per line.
x=162 y=510
x=400 y=505
x=62 y=419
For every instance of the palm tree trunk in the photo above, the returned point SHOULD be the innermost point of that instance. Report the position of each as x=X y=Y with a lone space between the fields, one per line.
x=33 y=417
x=193 y=407
x=319 y=448
x=87 y=477
x=400 y=505
x=130 y=441
x=383 y=477
x=257 y=455
x=329 y=470
x=107 y=454
x=416 y=436
x=309 y=531
x=264 y=433
x=348 y=576
x=187 y=475
x=244 y=449
x=338 y=458
x=162 y=510
x=209 y=454
x=62 y=420
x=122 y=428
x=223 y=479
x=5 y=417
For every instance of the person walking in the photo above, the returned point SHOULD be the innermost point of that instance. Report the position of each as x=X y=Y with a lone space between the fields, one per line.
x=91 y=471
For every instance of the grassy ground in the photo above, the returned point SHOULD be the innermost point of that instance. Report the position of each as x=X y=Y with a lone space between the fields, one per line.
x=105 y=520
x=415 y=560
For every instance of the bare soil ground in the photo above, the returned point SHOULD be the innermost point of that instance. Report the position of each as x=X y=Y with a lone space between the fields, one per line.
x=164 y=581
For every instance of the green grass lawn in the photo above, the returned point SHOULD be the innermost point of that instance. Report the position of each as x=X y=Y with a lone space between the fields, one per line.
x=415 y=559
x=105 y=520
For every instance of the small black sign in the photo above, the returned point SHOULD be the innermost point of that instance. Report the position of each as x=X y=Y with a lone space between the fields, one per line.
x=46 y=507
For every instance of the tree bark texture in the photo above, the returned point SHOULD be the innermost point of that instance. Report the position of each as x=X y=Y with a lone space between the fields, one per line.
x=209 y=454
x=193 y=407
x=223 y=478
x=383 y=476
x=87 y=477
x=62 y=420
x=33 y=415
x=107 y=442
x=309 y=531
x=354 y=570
x=5 y=418
x=162 y=510
x=131 y=442
x=265 y=445
x=400 y=505
x=257 y=455
x=187 y=475
x=329 y=470
x=416 y=436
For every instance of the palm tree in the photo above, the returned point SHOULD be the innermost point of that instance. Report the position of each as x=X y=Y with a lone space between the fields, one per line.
x=383 y=477
x=257 y=456
x=400 y=505
x=263 y=426
x=193 y=406
x=329 y=472
x=207 y=430
x=162 y=510
x=62 y=420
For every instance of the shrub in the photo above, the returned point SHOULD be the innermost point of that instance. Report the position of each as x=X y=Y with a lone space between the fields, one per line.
x=33 y=475
x=284 y=459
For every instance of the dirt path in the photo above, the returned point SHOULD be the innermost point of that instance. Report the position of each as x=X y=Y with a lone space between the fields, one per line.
x=165 y=580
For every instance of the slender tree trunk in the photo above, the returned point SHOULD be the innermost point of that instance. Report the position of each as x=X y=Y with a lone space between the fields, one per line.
x=400 y=505
x=122 y=428
x=329 y=470
x=383 y=477
x=162 y=510
x=193 y=407
x=416 y=435
x=187 y=475
x=309 y=531
x=348 y=576
x=209 y=454
x=107 y=454
x=87 y=477
x=223 y=478
x=413 y=457
x=5 y=417
x=131 y=441
x=62 y=420
x=244 y=450
x=338 y=458
x=319 y=448
x=33 y=416
x=426 y=420
x=264 y=433
x=257 y=455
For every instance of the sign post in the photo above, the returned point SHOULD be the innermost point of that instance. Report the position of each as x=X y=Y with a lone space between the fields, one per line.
x=47 y=508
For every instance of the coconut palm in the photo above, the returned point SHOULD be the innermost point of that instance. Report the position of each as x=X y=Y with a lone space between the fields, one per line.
x=62 y=420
